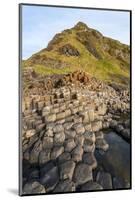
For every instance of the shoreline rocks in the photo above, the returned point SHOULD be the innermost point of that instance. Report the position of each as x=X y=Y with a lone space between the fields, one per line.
x=64 y=128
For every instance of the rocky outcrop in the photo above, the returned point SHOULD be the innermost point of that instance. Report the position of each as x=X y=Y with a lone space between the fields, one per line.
x=63 y=127
x=69 y=50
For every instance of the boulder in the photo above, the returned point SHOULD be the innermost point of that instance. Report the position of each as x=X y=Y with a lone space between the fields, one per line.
x=65 y=186
x=119 y=128
x=64 y=157
x=58 y=128
x=91 y=186
x=70 y=134
x=33 y=187
x=90 y=159
x=126 y=133
x=59 y=139
x=102 y=144
x=47 y=142
x=44 y=156
x=67 y=170
x=34 y=154
x=88 y=146
x=79 y=140
x=48 y=133
x=89 y=136
x=79 y=128
x=50 y=179
x=104 y=179
x=69 y=145
x=56 y=152
x=77 y=153
x=82 y=174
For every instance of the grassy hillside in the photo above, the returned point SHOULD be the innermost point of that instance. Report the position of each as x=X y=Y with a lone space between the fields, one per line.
x=86 y=49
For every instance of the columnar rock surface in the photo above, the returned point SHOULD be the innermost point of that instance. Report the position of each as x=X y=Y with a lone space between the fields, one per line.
x=62 y=128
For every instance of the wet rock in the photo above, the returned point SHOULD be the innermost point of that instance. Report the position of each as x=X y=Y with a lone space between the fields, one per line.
x=104 y=179
x=91 y=186
x=50 y=179
x=119 y=183
x=45 y=168
x=119 y=128
x=127 y=123
x=126 y=133
x=67 y=170
x=33 y=174
x=82 y=174
x=65 y=186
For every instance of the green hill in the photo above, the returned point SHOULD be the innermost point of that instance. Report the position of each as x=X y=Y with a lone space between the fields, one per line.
x=83 y=48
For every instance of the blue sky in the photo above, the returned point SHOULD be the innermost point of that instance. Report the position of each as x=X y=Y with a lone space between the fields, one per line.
x=40 y=24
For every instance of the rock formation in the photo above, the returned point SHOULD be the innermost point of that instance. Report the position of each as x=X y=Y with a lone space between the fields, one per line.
x=64 y=131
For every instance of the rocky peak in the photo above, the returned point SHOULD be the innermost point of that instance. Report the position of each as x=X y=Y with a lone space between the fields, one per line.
x=81 y=25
